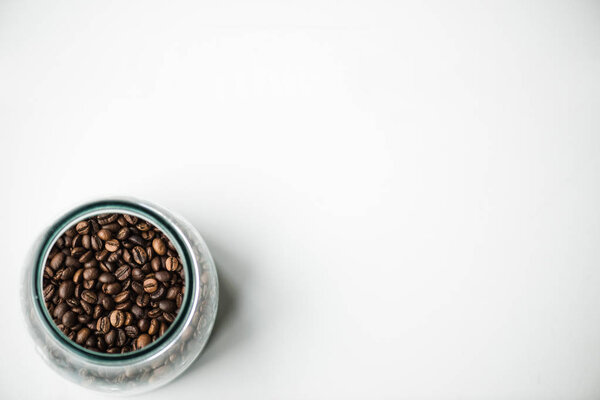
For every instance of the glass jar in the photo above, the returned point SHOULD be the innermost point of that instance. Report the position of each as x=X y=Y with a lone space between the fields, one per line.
x=156 y=364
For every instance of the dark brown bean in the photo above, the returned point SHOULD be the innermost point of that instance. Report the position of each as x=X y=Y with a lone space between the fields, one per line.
x=83 y=227
x=90 y=274
x=139 y=255
x=106 y=277
x=123 y=272
x=143 y=340
x=112 y=245
x=103 y=325
x=66 y=289
x=117 y=318
x=171 y=264
x=83 y=335
x=150 y=285
x=163 y=276
x=57 y=260
x=167 y=305
x=89 y=296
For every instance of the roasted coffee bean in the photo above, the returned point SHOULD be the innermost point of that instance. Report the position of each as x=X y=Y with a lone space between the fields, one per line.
x=169 y=317
x=126 y=305
x=107 y=302
x=112 y=288
x=112 y=228
x=121 y=297
x=83 y=227
x=159 y=293
x=87 y=256
x=90 y=264
x=121 y=337
x=103 y=325
x=67 y=273
x=77 y=251
x=78 y=276
x=87 y=307
x=89 y=296
x=131 y=219
x=155 y=313
x=137 y=311
x=106 y=277
x=90 y=274
x=123 y=272
x=49 y=292
x=171 y=264
x=69 y=319
x=131 y=331
x=102 y=255
x=179 y=299
x=137 y=287
x=156 y=264
x=159 y=246
x=83 y=335
x=143 y=325
x=117 y=318
x=88 y=284
x=137 y=274
x=96 y=243
x=137 y=240
x=71 y=302
x=142 y=300
x=110 y=338
x=104 y=219
x=71 y=261
x=123 y=233
x=66 y=289
x=127 y=255
x=107 y=266
x=86 y=242
x=163 y=276
x=60 y=310
x=150 y=285
x=57 y=260
x=97 y=311
x=148 y=235
x=112 y=245
x=143 y=340
x=90 y=342
x=139 y=255
x=153 y=327
x=167 y=305
x=172 y=293
x=84 y=318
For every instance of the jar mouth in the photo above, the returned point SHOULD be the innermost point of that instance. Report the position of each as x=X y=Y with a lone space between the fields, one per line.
x=148 y=213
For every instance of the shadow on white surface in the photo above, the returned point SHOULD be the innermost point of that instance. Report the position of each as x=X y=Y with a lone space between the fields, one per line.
x=229 y=330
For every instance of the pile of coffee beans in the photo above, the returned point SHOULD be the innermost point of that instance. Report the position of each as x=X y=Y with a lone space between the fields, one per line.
x=113 y=283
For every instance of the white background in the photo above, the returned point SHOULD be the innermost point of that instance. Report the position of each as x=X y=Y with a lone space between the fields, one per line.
x=402 y=198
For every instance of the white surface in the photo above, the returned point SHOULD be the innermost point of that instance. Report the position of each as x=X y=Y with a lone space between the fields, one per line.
x=402 y=198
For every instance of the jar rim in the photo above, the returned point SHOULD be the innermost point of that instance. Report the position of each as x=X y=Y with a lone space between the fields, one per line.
x=143 y=211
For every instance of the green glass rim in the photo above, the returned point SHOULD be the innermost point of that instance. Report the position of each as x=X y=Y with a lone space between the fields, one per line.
x=124 y=207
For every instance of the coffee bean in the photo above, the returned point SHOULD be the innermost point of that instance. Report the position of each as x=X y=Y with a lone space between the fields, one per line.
x=67 y=273
x=171 y=264
x=88 y=284
x=86 y=242
x=112 y=245
x=97 y=311
x=106 y=277
x=78 y=276
x=96 y=243
x=69 y=319
x=137 y=287
x=117 y=318
x=137 y=311
x=112 y=228
x=143 y=226
x=153 y=327
x=83 y=335
x=143 y=340
x=154 y=313
x=66 y=289
x=77 y=251
x=159 y=293
x=110 y=338
x=83 y=227
x=123 y=296
x=131 y=331
x=123 y=233
x=103 y=325
x=112 y=288
x=121 y=338
x=156 y=264
x=167 y=305
x=137 y=274
x=84 y=318
x=123 y=272
x=87 y=256
x=90 y=274
x=60 y=310
x=87 y=307
x=131 y=219
x=104 y=219
x=107 y=302
x=143 y=325
x=150 y=285
x=159 y=246
x=169 y=317
x=139 y=255
x=172 y=293
x=142 y=300
x=90 y=342
x=71 y=261
x=57 y=260
x=163 y=276
x=89 y=296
